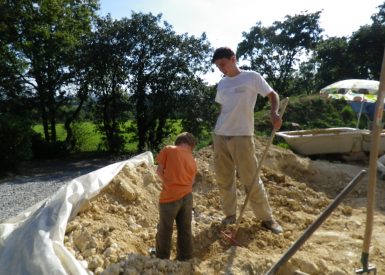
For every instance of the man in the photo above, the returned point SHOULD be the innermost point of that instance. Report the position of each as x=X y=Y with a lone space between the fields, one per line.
x=234 y=136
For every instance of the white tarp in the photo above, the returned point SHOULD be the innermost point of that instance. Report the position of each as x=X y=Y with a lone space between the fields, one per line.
x=33 y=242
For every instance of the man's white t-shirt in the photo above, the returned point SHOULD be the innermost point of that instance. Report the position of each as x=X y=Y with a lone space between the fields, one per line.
x=238 y=95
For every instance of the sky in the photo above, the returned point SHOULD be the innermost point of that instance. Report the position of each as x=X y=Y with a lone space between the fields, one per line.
x=223 y=21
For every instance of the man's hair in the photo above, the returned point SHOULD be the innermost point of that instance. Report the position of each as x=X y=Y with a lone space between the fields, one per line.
x=222 y=52
x=186 y=138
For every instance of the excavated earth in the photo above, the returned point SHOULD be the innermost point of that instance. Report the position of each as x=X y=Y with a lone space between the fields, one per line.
x=114 y=231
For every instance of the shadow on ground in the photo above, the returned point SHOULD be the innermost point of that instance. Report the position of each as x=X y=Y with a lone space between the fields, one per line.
x=57 y=169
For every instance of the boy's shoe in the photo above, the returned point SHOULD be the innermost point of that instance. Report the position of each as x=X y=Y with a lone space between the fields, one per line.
x=272 y=226
x=152 y=251
x=229 y=220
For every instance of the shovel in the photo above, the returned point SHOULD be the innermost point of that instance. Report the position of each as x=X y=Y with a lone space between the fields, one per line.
x=376 y=132
x=232 y=237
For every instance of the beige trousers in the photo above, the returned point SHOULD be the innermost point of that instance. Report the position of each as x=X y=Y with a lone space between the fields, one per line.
x=237 y=153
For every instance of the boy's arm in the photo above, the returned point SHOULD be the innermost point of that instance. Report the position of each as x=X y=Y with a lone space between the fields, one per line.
x=160 y=171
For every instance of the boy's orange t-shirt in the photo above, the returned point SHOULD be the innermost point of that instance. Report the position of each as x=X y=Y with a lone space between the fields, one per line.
x=179 y=172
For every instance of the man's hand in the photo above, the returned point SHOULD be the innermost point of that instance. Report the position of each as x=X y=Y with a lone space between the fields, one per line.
x=276 y=120
x=274 y=116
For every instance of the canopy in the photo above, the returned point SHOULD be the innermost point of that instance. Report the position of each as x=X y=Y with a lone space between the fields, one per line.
x=360 y=93
x=352 y=86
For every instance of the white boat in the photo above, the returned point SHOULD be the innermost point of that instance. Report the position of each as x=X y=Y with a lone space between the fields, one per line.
x=342 y=140
x=367 y=142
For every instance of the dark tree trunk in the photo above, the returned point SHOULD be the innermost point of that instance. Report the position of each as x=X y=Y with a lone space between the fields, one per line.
x=141 y=119
x=70 y=139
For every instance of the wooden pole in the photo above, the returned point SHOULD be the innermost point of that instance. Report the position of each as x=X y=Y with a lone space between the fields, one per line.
x=376 y=132
x=317 y=223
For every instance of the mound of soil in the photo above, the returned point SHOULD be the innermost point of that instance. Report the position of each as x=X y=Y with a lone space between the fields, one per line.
x=114 y=231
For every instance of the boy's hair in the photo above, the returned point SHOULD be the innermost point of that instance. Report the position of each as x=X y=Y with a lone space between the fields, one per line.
x=222 y=52
x=185 y=138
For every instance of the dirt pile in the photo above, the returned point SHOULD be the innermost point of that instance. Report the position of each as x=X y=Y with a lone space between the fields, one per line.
x=114 y=231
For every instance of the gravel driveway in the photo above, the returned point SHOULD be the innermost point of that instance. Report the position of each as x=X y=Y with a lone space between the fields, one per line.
x=38 y=180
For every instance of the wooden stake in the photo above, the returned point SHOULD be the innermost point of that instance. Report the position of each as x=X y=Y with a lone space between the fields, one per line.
x=376 y=132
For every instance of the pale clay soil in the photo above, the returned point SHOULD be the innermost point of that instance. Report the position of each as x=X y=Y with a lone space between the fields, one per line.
x=114 y=231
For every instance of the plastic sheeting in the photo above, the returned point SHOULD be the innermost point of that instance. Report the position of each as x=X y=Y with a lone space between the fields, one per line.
x=33 y=241
x=381 y=166
x=364 y=107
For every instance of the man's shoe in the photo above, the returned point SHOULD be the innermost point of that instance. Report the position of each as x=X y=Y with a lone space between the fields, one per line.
x=273 y=226
x=229 y=220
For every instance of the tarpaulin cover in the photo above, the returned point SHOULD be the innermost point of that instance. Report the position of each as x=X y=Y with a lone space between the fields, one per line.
x=33 y=241
x=364 y=107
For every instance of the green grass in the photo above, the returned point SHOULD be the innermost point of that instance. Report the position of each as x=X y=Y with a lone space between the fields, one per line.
x=90 y=140
x=86 y=132
x=60 y=131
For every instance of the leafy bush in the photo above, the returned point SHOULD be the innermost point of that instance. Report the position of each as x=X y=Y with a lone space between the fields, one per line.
x=309 y=112
x=15 y=141
x=114 y=145
x=45 y=150
x=81 y=135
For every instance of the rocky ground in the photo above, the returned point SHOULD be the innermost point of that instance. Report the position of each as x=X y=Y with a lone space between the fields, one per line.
x=113 y=233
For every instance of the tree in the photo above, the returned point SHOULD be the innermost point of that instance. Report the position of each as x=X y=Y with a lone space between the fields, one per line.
x=198 y=111
x=163 y=66
x=13 y=92
x=109 y=48
x=15 y=142
x=45 y=35
x=367 y=45
x=81 y=82
x=275 y=51
x=358 y=56
x=379 y=18
x=333 y=61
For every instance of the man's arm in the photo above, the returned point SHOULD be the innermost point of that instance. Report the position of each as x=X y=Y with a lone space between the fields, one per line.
x=274 y=104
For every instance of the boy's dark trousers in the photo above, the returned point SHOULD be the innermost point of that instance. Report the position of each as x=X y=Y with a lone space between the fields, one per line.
x=181 y=212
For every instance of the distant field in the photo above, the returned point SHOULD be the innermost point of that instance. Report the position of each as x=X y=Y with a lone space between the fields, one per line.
x=60 y=132
x=91 y=140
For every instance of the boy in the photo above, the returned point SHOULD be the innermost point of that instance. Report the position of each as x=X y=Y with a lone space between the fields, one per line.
x=234 y=136
x=177 y=169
